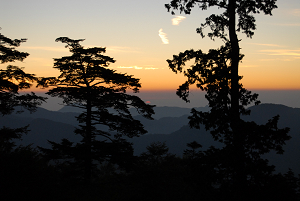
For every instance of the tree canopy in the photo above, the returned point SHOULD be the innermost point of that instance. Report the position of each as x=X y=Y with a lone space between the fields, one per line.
x=12 y=80
x=217 y=73
x=86 y=82
x=220 y=23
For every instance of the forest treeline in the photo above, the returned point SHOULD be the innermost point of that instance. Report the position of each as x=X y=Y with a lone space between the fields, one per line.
x=102 y=165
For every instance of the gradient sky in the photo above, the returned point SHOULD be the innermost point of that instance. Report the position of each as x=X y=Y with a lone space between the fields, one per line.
x=141 y=35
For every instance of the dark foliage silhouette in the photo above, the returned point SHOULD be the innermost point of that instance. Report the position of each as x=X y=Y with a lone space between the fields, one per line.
x=24 y=174
x=12 y=80
x=217 y=73
x=86 y=82
x=160 y=175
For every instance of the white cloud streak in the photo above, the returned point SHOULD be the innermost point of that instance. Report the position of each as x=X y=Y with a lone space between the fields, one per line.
x=151 y=68
x=131 y=67
x=163 y=36
x=137 y=68
x=176 y=20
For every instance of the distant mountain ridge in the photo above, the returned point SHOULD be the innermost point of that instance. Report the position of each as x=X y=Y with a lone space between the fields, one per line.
x=50 y=125
x=160 y=112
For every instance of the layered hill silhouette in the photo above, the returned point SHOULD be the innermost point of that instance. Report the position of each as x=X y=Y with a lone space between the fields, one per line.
x=170 y=126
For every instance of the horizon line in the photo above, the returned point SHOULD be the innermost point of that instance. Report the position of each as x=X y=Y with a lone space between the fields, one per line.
x=38 y=90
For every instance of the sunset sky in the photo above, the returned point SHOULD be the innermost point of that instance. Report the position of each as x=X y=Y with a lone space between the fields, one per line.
x=141 y=35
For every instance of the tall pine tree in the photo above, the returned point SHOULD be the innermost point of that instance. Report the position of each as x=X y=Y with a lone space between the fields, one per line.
x=86 y=82
x=217 y=72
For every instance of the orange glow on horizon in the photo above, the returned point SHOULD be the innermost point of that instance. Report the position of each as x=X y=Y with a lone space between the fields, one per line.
x=159 y=90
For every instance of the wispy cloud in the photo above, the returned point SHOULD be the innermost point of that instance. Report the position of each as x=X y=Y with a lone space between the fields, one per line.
x=151 y=68
x=62 y=49
x=131 y=67
x=138 y=67
x=53 y=49
x=120 y=49
x=296 y=12
x=248 y=66
x=263 y=44
x=289 y=25
x=176 y=20
x=282 y=52
x=267 y=59
x=163 y=36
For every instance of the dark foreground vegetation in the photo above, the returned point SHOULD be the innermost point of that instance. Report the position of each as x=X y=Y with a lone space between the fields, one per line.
x=154 y=175
x=102 y=165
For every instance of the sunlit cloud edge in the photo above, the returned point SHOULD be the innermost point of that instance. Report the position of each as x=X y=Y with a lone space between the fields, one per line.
x=151 y=68
x=176 y=20
x=163 y=37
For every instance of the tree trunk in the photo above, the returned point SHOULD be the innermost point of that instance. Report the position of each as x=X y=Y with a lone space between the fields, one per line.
x=239 y=177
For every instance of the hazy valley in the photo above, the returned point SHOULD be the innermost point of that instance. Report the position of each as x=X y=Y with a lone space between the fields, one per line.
x=170 y=125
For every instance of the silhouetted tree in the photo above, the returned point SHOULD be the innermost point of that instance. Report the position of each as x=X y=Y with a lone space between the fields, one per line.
x=12 y=80
x=24 y=174
x=86 y=82
x=159 y=175
x=192 y=153
x=217 y=73
x=210 y=72
x=156 y=153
